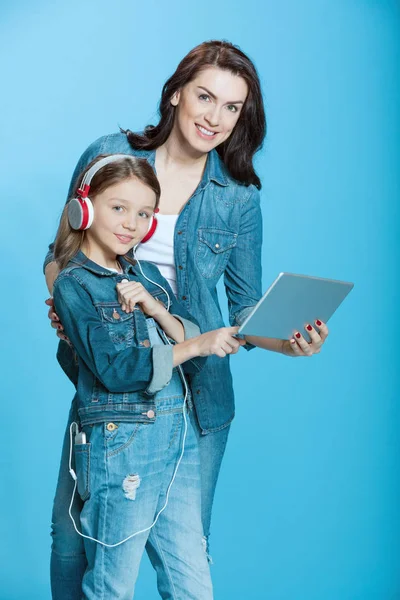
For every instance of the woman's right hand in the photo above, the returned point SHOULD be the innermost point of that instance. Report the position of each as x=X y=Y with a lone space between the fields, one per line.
x=55 y=321
x=219 y=342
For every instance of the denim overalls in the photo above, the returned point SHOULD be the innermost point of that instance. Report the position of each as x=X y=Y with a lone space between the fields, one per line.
x=134 y=440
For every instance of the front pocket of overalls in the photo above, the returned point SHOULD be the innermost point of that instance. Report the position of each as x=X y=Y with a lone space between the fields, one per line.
x=82 y=469
x=213 y=250
x=119 y=325
x=122 y=437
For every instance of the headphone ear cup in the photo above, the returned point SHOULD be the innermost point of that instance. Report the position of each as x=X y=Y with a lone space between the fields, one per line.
x=151 y=229
x=80 y=213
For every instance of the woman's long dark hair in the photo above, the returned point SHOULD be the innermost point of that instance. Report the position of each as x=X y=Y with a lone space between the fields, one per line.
x=248 y=134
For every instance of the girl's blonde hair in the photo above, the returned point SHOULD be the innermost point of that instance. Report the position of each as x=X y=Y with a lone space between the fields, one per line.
x=69 y=241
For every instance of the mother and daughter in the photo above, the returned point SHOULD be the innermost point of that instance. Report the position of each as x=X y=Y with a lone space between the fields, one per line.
x=142 y=336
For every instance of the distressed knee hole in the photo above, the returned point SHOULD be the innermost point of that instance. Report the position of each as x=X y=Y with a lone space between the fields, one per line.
x=130 y=485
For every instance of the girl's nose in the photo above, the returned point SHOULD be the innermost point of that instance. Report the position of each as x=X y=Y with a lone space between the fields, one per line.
x=130 y=223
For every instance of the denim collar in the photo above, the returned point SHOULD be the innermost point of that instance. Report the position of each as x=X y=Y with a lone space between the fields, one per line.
x=215 y=169
x=83 y=261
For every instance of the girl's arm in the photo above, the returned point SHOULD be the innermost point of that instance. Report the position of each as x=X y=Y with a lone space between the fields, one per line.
x=178 y=324
x=134 y=368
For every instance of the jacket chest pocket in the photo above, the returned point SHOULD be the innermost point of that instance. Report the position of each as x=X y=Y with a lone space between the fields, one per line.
x=214 y=247
x=119 y=324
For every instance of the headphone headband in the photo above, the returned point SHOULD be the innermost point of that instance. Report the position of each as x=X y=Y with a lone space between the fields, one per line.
x=84 y=188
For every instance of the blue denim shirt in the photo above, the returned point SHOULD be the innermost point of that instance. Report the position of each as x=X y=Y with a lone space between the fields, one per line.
x=118 y=371
x=218 y=234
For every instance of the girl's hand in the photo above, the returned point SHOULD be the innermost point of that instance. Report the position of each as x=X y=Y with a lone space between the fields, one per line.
x=298 y=346
x=131 y=293
x=55 y=321
x=219 y=342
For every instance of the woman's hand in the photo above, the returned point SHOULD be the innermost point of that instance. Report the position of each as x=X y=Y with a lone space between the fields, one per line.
x=298 y=346
x=55 y=321
x=219 y=342
x=131 y=293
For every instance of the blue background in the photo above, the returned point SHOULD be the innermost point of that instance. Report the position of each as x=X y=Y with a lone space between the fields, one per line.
x=307 y=506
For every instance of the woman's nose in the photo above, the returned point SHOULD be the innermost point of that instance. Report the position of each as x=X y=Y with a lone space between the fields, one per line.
x=212 y=117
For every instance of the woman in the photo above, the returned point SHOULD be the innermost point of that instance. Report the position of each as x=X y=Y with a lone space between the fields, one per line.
x=211 y=124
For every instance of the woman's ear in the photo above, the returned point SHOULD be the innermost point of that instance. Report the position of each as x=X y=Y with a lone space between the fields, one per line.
x=175 y=98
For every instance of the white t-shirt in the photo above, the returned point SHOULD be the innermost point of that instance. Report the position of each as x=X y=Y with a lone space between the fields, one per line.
x=160 y=248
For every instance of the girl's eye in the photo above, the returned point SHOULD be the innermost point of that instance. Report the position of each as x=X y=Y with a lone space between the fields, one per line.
x=143 y=214
x=232 y=108
x=205 y=97
x=117 y=208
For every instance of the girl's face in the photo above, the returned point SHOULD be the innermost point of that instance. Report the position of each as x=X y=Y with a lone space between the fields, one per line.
x=208 y=108
x=121 y=218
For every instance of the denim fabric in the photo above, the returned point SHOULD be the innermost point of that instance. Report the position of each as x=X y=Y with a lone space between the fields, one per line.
x=111 y=511
x=218 y=233
x=118 y=370
x=68 y=558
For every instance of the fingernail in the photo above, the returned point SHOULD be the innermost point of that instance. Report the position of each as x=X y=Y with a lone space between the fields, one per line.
x=309 y=327
x=292 y=341
x=318 y=322
x=298 y=335
x=55 y=317
x=59 y=327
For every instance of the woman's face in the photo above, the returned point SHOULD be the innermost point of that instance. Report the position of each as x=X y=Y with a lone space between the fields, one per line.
x=208 y=108
x=121 y=218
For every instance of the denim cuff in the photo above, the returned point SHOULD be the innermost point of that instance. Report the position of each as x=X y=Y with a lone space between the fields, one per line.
x=240 y=318
x=162 y=368
x=190 y=329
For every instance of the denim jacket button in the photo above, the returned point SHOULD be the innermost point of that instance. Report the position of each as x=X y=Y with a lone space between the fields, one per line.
x=111 y=426
x=217 y=246
x=145 y=343
x=150 y=414
x=116 y=314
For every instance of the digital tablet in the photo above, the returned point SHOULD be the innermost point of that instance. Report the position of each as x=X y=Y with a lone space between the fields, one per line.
x=292 y=302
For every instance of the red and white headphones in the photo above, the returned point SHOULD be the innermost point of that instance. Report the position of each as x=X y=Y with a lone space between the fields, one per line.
x=80 y=208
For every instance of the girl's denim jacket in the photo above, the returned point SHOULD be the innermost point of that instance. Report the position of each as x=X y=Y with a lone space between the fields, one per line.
x=119 y=372
x=218 y=235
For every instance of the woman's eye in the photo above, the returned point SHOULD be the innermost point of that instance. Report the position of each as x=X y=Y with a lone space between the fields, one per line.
x=205 y=97
x=232 y=108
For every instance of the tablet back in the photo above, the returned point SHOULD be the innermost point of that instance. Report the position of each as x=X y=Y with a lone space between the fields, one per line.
x=291 y=302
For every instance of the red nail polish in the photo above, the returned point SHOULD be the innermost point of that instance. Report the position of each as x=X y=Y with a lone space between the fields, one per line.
x=298 y=335
x=309 y=327
x=318 y=322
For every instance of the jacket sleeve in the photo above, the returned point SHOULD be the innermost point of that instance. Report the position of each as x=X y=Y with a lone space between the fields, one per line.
x=129 y=370
x=68 y=361
x=89 y=154
x=242 y=277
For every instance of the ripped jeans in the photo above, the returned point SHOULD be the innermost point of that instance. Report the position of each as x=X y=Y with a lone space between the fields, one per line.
x=68 y=558
x=124 y=472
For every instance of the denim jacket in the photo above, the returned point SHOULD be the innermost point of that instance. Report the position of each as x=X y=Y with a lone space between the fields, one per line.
x=119 y=372
x=218 y=234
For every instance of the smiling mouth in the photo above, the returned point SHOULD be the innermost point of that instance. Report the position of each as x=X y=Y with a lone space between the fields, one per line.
x=206 y=132
x=125 y=239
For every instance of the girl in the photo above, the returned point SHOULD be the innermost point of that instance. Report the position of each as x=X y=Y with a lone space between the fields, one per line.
x=212 y=122
x=136 y=457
